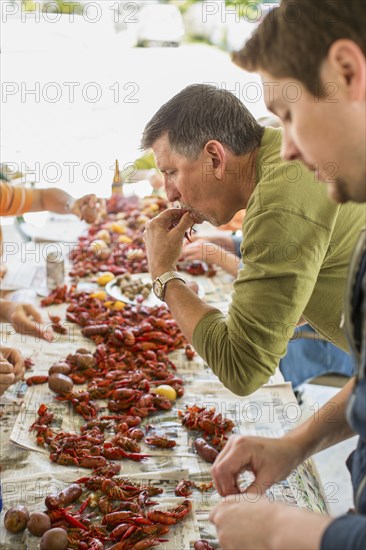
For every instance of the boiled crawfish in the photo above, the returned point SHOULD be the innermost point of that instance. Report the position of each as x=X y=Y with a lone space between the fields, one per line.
x=173 y=515
x=160 y=441
x=183 y=489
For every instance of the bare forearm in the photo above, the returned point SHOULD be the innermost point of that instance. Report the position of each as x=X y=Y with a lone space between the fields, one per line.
x=325 y=427
x=163 y=237
x=212 y=254
x=230 y=263
x=53 y=200
x=224 y=241
x=185 y=306
x=216 y=255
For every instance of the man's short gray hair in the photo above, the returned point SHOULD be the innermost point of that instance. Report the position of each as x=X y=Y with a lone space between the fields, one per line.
x=199 y=113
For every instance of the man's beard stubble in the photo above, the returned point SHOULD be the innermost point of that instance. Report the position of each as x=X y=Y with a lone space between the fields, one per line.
x=340 y=192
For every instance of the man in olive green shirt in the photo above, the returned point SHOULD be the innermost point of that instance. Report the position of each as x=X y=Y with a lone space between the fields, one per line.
x=216 y=160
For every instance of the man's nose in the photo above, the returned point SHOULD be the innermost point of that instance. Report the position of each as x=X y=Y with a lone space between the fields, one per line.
x=171 y=192
x=289 y=151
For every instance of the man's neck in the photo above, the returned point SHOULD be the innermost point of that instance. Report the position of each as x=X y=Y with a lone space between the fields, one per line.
x=247 y=181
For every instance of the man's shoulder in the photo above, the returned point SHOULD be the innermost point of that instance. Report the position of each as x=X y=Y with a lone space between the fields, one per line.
x=293 y=188
x=276 y=176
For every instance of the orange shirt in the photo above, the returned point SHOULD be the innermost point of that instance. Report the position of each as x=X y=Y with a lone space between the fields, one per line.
x=14 y=201
x=236 y=223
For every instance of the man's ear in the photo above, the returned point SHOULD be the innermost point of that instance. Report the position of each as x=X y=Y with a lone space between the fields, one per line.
x=347 y=61
x=217 y=155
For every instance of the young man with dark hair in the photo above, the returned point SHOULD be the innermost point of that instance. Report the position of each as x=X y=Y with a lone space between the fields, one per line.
x=322 y=53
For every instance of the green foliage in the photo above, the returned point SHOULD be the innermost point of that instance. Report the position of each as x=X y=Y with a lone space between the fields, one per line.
x=238 y=3
x=61 y=6
x=70 y=7
x=246 y=8
x=183 y=5
x=241 y=3
x=29 y=5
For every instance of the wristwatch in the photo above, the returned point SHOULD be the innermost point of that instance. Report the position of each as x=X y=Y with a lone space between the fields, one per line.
x=160 y=282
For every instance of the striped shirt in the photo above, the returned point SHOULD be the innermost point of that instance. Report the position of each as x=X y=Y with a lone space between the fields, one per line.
x=14 y=201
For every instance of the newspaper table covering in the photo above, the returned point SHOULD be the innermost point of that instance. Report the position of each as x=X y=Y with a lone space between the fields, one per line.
x=28 y=475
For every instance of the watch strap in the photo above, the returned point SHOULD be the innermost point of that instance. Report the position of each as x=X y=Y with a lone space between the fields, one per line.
x=169 y=276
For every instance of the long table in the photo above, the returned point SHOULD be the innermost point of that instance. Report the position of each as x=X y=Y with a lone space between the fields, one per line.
x=28 y=475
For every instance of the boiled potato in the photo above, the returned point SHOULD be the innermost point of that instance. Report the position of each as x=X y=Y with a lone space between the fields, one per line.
x=97 y=245
x=54 y=539
x=103 y=235
x=16 y=519
x=60 y=383
x=61 y=367
x=38 y=524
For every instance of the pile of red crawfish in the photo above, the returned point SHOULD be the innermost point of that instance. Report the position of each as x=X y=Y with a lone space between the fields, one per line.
x=130 y=360
x=115 y=244
x=97 y=512
x=213 y=427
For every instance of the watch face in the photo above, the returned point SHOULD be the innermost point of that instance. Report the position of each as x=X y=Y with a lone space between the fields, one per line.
x=158 y=289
